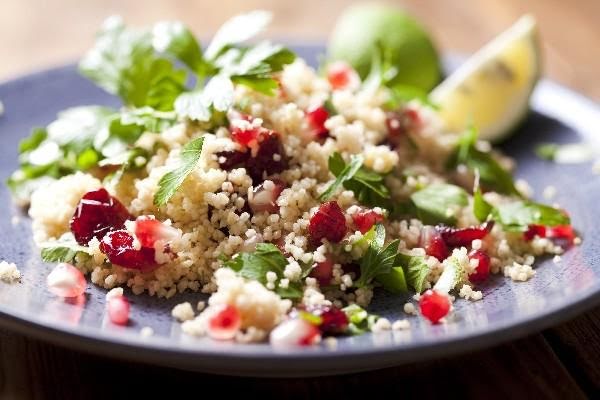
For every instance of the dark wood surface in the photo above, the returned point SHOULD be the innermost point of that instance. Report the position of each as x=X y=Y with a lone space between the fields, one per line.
x=562 y=362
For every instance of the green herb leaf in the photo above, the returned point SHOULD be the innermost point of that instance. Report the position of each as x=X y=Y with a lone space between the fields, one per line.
x=237 y=30
x=123 y=62
x=492 y=175
x=199 y=105
x=367 y=185
x=360 y=320
x=518 y=215
x=171 y=181
x=416 y=270
x=255 y=265
x=63 y=250
x=393 y=281
x=173 y=37
x=377 y=259
x=438 y=202
x=481 y=208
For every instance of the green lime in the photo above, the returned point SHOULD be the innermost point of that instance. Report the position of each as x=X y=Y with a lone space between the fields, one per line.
x=360 y=28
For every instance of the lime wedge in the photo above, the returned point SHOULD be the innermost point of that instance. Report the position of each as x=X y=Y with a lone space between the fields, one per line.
x=491 y=89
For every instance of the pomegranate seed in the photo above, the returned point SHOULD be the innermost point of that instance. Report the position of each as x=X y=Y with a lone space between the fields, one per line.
x=434 y=305
x=245 y=136
x=316 y=119
x=264 y=197
x=323 y=272
x=399 y=123
x=482 y=271
x=267 y=158
x=224 y=322
x=455 y=237
x=431 y=240
x=119 y=248
x=533 y=231
x=149 y=230
x=295 y=332
x=333 y=320
x=327 y=223
x=96 y=214
x=118 y=310
x=66 y=281
x=342 y=76
x=365 y=219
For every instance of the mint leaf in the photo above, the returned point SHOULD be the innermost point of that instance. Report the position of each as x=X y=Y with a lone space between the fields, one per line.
x=171 y=181
x=63 y=250
x=199 y=105
x=518 y=215
x=123 y=62
x=437 y=202
x=492 y=175
x=255 y=265
x=393 y=281
x=377 y=259
x=416 y=270
x=237 y=30
x=346 y=173
x=368 y=186
x=174 y=38
x=481 y=208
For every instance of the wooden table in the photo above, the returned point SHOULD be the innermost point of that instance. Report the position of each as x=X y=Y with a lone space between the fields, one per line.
x=562 y=362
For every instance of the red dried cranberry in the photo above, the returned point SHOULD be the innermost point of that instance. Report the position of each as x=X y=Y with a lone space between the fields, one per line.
x=118 y=247
x=96 y=214
x=482 y=271
x=434 y=305
x=365 y=219
x=431 y=240
x=455 y=237
x=327 y=223
x=316 y=119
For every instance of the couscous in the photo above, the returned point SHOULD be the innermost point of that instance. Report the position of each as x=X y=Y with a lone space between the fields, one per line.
x=292 y=196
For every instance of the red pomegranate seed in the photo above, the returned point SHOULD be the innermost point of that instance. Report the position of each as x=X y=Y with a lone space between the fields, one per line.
x=96 y=214
x=323 y=272
x=119 y=248
x=327 y=223
x=118 y=310
x=482 y=272
x=66 y=281
x=434 y=305
x=365 y=219
x=563 y=234
x=333 y=320
x=264 y=197
x=149 y=230
x=431 y=240
x=455 y=237
x=316 y=119
x=224 y=322
x=245 y=136
x=533 y=231
x=342 y=76
x=295 y=332
x=399 y=123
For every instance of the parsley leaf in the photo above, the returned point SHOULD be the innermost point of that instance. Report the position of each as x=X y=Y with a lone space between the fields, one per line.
x=199 y=105
x=123 y=62
x=255 y=265
x=518 y=215
x=237 y=30
x=63 y=250
x=481 y=208
x=174 y=38
x=171 y=181
x=492 y=174
x=377 y=259
x=416 y=270
x=438 y=202
x=367 y=185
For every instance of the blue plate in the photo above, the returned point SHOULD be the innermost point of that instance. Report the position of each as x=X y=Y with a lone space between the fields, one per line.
x=509 y=310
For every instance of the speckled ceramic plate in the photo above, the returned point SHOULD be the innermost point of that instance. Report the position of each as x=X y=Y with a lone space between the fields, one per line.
x=509 y=310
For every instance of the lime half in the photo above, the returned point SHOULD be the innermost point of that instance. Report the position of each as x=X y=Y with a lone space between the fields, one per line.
x=491 y=89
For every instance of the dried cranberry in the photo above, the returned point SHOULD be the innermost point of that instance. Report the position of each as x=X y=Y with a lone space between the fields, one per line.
x=316 y=119
x=455 y=237
x=119 y=248
x=365 y=219
x=431 y=240
x=327 y=223
x=96 y=214
x=434 y=305
x=482 y=271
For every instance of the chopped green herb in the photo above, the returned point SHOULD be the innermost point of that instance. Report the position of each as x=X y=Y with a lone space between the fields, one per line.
x=518 y=215
x=171 y=181
x=360 y=321
x=174 y=38
x=199 y=105
x=416 y=270
x=438 y=202
x=63 y=250
x=481 y=208
x=377 y=260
